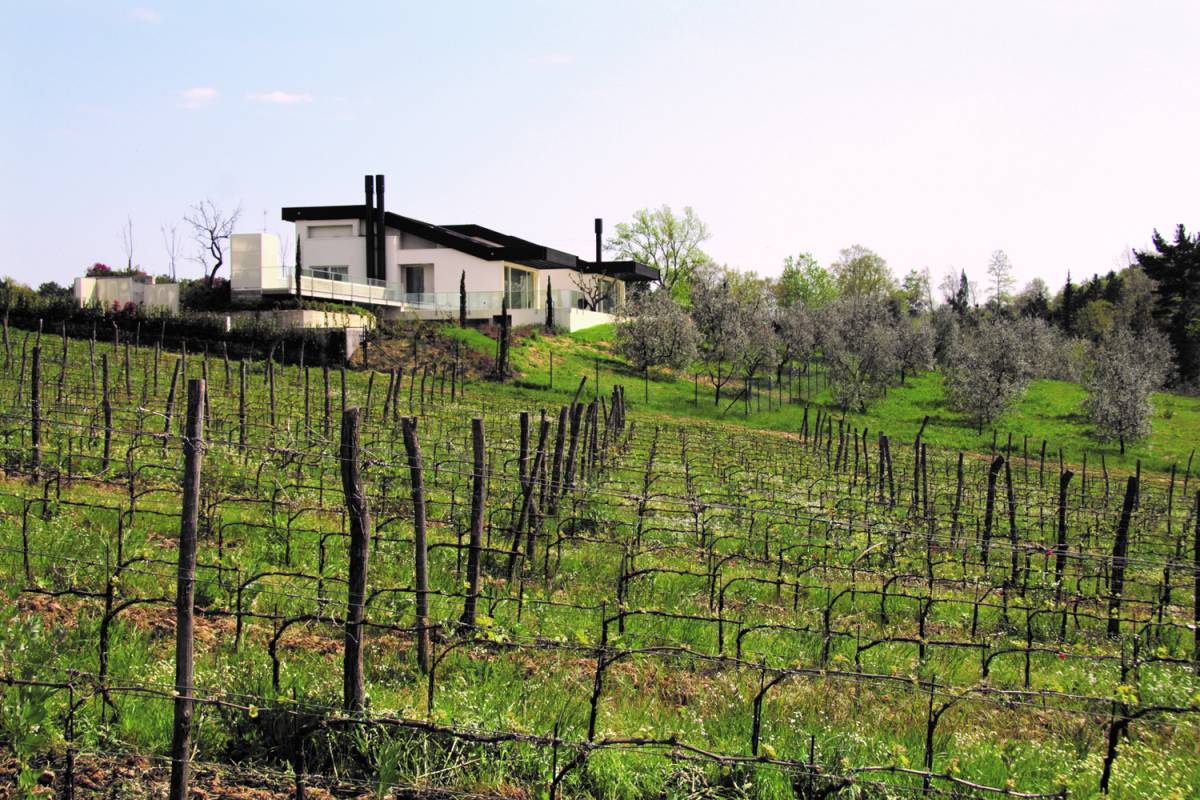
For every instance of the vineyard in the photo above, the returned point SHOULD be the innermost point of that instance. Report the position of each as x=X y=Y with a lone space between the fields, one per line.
x=272 y=578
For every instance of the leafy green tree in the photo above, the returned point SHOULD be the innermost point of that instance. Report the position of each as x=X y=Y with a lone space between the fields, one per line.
x=1175 y=269
x=1135 y=310
x=1034 y=300
x=804 y=281
x=54 y=290
x=915 y=294
x=1096 y=320
x=669 y=243
x=860 y=272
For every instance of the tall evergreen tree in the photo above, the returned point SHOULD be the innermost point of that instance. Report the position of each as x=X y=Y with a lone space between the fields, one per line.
x=1068 y=304
x=299 y=296
x=1175 y=269
x=961 y=301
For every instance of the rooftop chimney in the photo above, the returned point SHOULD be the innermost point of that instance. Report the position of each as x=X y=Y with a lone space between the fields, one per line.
x=369 y=223
x=380 y=231
x=599 y=231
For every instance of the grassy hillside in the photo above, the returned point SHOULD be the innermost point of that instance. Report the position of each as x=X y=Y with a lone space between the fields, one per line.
x=1050 y=410
x=684 y=609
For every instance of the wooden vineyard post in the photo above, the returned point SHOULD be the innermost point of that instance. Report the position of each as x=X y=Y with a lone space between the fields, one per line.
x=193 y=453
x=1196 y=586
x=353 y=692
x=990 y=509
x=478 y=498
x=328 y=400
x=107 y=404
x=1060 y=548
x=171 y=404
x=35 y=410
x=1120 y=548
x=413 y=449
x=242 y=403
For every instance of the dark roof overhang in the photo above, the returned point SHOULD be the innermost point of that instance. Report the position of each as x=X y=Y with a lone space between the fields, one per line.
x=628 y=271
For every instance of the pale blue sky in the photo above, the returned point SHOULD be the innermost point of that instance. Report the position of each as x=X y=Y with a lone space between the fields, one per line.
x=933 y=133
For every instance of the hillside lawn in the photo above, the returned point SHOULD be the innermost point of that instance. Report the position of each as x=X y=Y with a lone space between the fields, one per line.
x=1050 y=410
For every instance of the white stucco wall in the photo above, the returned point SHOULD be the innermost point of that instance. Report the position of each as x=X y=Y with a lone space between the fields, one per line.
x=341 y=251
x=255 y=263
x=121 y=290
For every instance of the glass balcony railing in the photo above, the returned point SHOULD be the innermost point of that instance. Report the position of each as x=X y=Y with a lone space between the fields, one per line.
x=333 y=283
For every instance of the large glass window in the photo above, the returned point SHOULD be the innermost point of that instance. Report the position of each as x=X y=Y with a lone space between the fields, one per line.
x=518 y=287
x=414 y=278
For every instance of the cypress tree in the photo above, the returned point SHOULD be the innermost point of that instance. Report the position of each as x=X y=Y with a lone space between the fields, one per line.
x=462 y=300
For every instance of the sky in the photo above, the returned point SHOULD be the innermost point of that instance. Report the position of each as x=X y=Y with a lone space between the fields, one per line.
x=931 y=132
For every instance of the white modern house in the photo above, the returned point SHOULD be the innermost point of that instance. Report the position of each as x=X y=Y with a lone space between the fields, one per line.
x=400 y=266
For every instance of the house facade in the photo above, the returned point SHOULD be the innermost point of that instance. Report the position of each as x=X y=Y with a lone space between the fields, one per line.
x=402 y=266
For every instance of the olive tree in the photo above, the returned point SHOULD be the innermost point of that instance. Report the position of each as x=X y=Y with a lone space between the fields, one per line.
x=760 y=347
x=990 y=365
x=795 y=337
x=656 y=331
x=719 y=318
x=1127 y=369
x=914 y=345
x=858 y=344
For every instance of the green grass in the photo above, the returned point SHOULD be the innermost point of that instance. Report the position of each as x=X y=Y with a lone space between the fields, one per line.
x=1050 y=410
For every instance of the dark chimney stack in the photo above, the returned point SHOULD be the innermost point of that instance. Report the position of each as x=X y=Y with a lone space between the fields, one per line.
x=369 y=222
x=599 y=231
x=380 y=231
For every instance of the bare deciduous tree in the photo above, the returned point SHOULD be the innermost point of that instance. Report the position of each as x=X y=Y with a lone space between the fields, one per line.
x=211 y=229
x=127 y=242
x=594 y=287
x=1128 y=368
x=1000 y=271
x=170 y=237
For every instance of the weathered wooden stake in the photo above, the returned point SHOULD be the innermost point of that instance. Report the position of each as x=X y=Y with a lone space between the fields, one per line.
x=353 y=691
x=413 y=448
x=478 y=498
x=193 y=453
